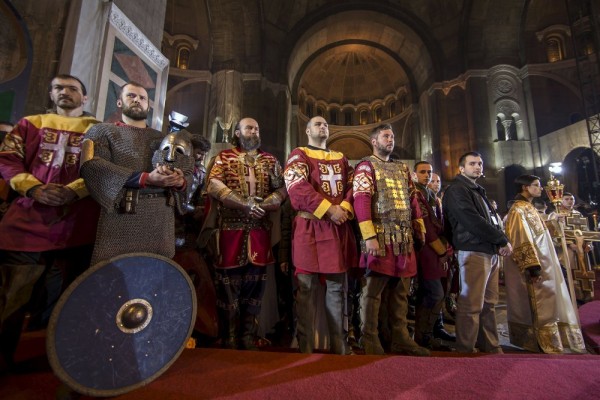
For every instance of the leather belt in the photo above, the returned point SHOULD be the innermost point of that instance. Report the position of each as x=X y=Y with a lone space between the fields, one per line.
x=151 y=195
x=306 y=215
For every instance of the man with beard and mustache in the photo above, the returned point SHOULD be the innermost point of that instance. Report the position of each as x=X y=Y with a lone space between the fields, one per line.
x=136 y=214
x=248 y=185
x=387 y=218
x=49 y=229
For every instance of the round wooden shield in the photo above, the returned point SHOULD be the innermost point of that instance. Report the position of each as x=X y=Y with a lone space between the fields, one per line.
x=121 y=324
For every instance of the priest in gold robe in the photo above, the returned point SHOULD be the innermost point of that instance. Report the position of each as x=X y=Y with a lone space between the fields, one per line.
x=541 y=316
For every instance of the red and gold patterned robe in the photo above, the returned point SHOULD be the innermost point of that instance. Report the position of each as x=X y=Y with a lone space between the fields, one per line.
x=244 y=240
x=315 y=180
x=44 y=149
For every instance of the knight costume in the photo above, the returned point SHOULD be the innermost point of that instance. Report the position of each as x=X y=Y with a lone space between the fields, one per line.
x=134 y=217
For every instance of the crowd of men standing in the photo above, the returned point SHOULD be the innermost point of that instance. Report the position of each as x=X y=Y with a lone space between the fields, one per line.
x=70 y=171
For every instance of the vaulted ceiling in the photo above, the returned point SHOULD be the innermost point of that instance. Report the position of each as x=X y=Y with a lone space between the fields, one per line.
x=354 y=50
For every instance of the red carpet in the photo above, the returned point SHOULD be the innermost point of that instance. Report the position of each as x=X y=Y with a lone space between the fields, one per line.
x=228 y=374
x=589 y=316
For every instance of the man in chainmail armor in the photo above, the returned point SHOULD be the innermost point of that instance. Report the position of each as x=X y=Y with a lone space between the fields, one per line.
x=137 y=197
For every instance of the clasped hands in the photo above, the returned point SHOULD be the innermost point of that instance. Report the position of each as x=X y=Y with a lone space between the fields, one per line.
x=52 y=194
x=337 y=214
x=163 y=176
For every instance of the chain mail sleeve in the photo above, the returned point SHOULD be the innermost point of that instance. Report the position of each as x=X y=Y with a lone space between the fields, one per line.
x=104 y=179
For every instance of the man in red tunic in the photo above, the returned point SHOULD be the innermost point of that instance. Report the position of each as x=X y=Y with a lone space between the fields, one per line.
x=386 y=219
x=433 y=263
x=52 y=224
x=319 y=183
x=248 y=184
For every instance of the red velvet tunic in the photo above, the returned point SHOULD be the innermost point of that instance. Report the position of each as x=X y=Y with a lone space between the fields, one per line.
x=46 y=149
x=315 y=180
x=365 y=185
x=430 y=261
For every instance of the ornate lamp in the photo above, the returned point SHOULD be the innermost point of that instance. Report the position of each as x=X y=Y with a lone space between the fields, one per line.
x=554 y=190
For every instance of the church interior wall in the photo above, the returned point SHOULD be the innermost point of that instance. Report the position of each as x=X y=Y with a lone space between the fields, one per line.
x=553 y=104
x=180 y=100
x=274 y=41
x=46 y=21
x=148 y=16
x=269 y=109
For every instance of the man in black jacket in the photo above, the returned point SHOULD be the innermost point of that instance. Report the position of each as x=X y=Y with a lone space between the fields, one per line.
x=477 y=236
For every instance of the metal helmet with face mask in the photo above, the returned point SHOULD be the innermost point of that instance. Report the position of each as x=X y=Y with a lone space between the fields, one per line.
x=175 y=145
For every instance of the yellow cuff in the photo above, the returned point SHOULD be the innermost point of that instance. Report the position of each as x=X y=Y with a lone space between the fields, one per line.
x=322 y=209
x=419 y=225
x=438 y=246
x=367 y=229
x=21 y=183
x=348 y=207
x=78 y=186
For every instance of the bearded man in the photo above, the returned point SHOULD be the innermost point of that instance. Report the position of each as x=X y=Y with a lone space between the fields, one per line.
x=387 y=218
x=248 y=184
x=137 y=211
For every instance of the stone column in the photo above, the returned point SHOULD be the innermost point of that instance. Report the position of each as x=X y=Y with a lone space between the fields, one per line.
x=225 y=102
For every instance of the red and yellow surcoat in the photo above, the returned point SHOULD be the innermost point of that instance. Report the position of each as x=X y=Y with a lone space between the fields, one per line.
x=244 y=240
x=385 y=211
x=44 y=149
x=431 y=254
x=315 y=180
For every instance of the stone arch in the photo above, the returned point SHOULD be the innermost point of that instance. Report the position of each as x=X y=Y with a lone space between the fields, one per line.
x=578 y=173
x=355 y=145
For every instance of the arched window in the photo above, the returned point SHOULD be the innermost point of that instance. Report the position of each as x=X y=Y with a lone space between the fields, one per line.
x=377 y=114
x=183 y=57
x=333 y=116
x=309 y=109
x=364 y=117
x=348 y=117
x=320 y=112
x=586 y=43
x=392 y=109
x=554 y=51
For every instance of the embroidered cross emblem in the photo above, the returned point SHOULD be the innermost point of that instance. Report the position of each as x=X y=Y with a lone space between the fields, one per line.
x=331 y=178
x=60 y=148
x=251 y=181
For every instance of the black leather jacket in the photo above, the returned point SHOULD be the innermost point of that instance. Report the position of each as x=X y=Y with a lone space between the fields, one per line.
x=469 y=216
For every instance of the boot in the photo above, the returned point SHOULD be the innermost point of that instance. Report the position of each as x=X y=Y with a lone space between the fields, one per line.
x=371 y=345
x=227 y=330
x=370 y=301
x=422 y=328
x=402 y=343
x=440 y=333
x=334 y=310
x=250 y=327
